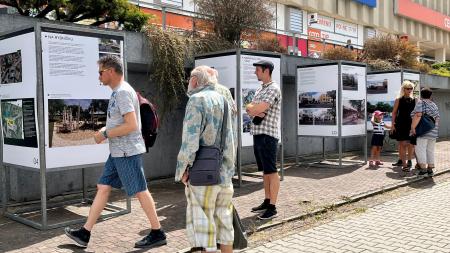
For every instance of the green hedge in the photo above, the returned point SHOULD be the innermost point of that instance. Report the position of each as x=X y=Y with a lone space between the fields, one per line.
x=441 y=69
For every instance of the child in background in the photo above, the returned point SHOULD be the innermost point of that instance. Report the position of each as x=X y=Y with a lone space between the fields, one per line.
x=379 y=127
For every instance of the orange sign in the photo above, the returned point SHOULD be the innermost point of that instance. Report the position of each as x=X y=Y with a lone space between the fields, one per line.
x=415 y=11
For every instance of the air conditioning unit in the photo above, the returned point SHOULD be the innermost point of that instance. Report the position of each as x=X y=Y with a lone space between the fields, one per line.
x=313 y=18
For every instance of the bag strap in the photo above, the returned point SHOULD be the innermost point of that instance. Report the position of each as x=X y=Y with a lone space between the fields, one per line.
x=223 y=130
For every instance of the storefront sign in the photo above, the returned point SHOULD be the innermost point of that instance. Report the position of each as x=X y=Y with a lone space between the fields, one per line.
x=318 y=35
x=323 y=23
x=415 y=11
x=345 y=28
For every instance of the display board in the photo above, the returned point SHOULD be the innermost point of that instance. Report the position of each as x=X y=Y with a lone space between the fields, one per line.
x=75 y=103
x=382 y=89
x=226 y=65
x=317 y=96
x=18 y=98
x=413 y=77
x=353 y=99
x=249 y=85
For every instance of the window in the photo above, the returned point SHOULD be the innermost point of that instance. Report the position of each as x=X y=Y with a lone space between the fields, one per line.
x=295 y=20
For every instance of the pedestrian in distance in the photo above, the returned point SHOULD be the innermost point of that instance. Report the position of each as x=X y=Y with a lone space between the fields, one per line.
x=401 y=125
x=209 y=211
x=124 y=165
x=426 y=142
x=379 y=127
x=265 y=109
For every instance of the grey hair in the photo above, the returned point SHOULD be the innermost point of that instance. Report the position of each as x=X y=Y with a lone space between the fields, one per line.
x=113 y=62
x=203 y=75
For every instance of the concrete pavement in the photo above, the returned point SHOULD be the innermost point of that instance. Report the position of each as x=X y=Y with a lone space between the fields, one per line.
x=305 y=188
x=419 y=222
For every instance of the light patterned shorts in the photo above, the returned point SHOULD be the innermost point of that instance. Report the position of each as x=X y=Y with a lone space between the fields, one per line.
x=209 y=216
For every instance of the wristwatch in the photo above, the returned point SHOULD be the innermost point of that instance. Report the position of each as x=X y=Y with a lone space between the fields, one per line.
x=105 y=134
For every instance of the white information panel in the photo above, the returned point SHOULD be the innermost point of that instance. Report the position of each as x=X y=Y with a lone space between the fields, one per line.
x=75 y=102
x=382 y=89
x=249 y=85
x=18 y=98
x=225 y=66
x=353 y=99
x=317 y=96
x=415 y=79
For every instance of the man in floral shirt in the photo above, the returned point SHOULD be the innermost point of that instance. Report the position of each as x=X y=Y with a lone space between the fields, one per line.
x=209 y=214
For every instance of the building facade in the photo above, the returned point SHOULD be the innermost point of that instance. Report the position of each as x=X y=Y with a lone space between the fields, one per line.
x=308 y=27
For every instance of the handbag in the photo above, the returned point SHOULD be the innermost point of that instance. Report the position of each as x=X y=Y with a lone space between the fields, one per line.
x=208 y=160
x=240 y=236
x=426 y=123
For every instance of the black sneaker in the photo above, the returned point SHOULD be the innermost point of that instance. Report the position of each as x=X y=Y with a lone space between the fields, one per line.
x=422 y=173
x=81 y=236
x=268 y=214
x=409 y=163
x=154 y=239
x=398 y=163
x=430 y=172
x=261 y=208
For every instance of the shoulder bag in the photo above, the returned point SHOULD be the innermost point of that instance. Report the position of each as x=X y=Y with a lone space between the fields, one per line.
x=426 y=123
x=208 y=160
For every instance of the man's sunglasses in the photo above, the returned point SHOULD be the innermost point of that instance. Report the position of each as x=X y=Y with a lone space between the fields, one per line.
x=101 y=71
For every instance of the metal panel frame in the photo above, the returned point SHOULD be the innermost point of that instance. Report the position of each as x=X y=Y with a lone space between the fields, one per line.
x=44 y=205
x=338 y=114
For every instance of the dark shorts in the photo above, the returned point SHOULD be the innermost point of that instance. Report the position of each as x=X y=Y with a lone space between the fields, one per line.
x=377 y=140
x=265 y=149
x=126 y=172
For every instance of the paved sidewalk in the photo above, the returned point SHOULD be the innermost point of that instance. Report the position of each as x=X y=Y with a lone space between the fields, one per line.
x=304 y=189
x=418 y=222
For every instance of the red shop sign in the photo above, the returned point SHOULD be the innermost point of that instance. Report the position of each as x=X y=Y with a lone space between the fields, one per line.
x=415 y=11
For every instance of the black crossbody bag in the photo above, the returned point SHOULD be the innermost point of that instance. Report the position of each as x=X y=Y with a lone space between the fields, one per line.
x=208 y=159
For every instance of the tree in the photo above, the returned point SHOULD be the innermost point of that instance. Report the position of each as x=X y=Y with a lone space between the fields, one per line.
x=232 y=19
x=99 y=11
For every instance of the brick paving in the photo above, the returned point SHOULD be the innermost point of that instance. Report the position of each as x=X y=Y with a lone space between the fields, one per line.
x=306 y=187
x=417 y=222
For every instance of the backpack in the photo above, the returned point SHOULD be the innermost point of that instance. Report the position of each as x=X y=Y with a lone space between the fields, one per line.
x=149 y=121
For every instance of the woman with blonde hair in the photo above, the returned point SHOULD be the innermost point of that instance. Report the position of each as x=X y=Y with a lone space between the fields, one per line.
x=403 y=106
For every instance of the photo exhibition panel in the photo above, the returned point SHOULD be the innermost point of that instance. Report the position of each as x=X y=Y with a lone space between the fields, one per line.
x=75 y=101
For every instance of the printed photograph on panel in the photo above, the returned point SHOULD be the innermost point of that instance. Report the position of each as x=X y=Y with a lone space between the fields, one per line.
x=11 y=68
x=349 y=81
x=317 y=116
x=377 y=86
x=325 y=99
x=73 y=122
x=247 y=98
x=12 y=119
x=109 y=46
x=353 y=112
x=384 y=106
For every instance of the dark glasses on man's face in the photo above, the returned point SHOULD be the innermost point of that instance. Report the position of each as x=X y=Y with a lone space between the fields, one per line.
x=101 y=71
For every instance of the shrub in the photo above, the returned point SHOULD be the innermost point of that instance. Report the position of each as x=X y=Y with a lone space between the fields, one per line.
x=339 y=53
x=441 y=69
x=400 y=54
x=379 y=64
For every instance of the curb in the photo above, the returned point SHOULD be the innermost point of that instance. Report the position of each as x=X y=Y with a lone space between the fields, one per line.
x=353 y=199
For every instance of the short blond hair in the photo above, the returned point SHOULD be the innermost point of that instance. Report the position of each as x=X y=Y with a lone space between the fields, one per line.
x=406 y=84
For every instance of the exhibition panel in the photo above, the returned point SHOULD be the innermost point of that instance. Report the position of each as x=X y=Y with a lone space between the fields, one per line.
x=353 y=99
x=75 y=103
x=18 y=98
x=317 y=97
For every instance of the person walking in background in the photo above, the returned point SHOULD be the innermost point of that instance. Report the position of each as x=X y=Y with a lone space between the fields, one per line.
x=124 y=165
x=266 y=110
x=403 y=106
x=379 y=127
x=209 y=211
x=426 y=142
